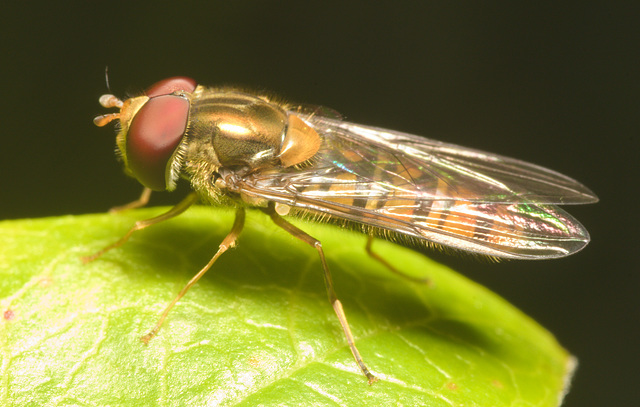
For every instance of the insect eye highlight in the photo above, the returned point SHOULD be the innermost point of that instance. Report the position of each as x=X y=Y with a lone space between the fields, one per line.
x=171 y=85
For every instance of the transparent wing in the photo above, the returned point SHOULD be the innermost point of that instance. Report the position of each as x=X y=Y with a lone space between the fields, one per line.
x=450 y=195
x=436 y=170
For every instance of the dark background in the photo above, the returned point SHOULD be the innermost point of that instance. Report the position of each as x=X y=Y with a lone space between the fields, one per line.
x=556 y=85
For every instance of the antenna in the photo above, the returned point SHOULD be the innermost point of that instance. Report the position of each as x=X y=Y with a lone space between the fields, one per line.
x=106 y=77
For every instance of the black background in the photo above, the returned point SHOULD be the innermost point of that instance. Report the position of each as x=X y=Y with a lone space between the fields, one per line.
x=556 y=85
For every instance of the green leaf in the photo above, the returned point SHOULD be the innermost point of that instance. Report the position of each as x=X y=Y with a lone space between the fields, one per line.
x=258 y=328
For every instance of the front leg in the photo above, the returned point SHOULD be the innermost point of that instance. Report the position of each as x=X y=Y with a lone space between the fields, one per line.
x=143 y=224
x=138 y=203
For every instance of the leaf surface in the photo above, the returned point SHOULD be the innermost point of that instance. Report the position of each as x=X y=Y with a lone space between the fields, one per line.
x=258 y=328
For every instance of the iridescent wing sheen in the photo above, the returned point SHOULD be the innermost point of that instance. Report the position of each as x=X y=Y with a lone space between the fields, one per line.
x=446 y=194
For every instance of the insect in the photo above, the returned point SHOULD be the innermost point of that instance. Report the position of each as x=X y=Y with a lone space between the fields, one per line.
x=245 y=150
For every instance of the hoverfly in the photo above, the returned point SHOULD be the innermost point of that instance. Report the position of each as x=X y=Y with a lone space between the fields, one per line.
x=245 y=150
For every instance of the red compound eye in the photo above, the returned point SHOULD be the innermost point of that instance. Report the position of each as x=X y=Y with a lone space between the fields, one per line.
x=153 y=136
x=170 y=85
